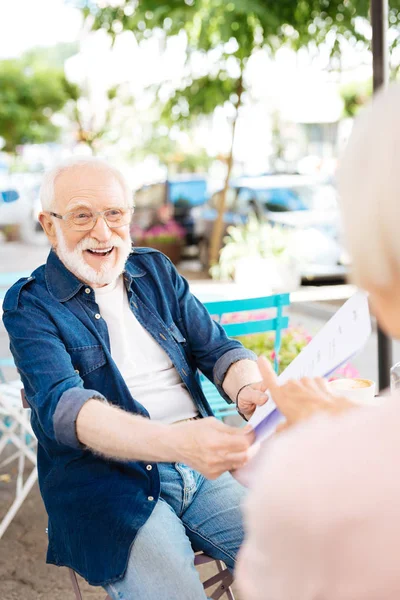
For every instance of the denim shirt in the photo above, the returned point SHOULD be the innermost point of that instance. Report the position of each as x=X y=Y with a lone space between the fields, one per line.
x=61 y=348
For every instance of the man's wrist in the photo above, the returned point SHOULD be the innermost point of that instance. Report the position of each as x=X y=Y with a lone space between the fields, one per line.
x=237 y=399
x=242 y=373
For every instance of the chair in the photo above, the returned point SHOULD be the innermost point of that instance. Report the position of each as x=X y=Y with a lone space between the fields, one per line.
x=223 y=578
x=15 y=430
x=6 y=281
x=246 y=323
x=76 y=588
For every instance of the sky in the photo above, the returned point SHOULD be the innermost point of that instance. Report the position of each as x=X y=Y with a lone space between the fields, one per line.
x=28 y=23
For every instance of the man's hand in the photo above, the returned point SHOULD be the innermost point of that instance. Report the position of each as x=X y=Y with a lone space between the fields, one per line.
x=299 y=400
x=210 y=447
x=250 y=397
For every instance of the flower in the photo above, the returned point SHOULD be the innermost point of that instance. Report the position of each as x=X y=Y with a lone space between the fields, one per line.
x=346 y=371
x=170 y=231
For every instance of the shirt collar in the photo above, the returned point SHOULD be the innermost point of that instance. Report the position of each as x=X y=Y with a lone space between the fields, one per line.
x=63 y=284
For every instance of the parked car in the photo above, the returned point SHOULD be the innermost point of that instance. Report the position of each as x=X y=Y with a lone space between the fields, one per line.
x=304 y=204
x=18 y=218
x=20 y=215
x=182 y=192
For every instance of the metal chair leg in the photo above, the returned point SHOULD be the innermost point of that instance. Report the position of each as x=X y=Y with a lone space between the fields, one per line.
x=76 y=587
x=75 y=584
x=224 y=578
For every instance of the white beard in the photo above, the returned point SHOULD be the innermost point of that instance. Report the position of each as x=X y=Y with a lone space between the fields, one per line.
x=74 y=261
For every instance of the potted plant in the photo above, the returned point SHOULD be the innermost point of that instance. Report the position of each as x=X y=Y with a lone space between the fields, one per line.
x=257 y=253
x=163 y=234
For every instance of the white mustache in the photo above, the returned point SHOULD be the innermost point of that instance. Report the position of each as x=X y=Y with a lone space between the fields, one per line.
x=91 y=244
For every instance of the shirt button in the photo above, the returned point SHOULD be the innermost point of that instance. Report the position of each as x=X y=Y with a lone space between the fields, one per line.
x=150 y=498
x=76 y=371
x=149 y=467
x=87 y=290
x=97 y=316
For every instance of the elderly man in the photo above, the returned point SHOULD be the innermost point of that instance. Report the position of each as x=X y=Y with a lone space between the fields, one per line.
x=132 y=466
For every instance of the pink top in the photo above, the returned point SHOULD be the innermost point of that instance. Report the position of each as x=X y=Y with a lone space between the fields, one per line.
x=323 y=517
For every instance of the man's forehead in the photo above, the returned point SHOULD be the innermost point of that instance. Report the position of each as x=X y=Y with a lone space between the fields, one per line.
x=87 y=184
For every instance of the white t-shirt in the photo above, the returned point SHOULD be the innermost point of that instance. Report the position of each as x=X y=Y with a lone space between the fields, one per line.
x=146 y=368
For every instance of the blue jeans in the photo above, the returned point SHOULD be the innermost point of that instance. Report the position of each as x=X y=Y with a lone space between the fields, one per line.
x=192 y=514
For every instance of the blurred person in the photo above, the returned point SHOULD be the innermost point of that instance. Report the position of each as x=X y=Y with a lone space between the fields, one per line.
x=323 y=517
x=133 y=468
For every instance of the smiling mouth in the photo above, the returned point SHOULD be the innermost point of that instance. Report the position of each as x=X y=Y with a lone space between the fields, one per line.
x=100 y=251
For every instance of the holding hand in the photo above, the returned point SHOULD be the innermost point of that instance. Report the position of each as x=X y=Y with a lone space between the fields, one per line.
x=301 y=399
x=251 y=396
x=210 y=447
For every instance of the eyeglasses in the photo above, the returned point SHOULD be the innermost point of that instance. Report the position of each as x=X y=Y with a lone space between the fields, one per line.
x=85 y=219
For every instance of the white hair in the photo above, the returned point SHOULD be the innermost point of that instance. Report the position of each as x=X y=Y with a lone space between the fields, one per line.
x=47 y=197
x=369 y=191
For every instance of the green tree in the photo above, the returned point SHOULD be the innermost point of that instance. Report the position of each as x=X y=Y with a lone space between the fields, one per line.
x=171 y=153
x=29 y=97
x=88 y=128
x=54 y=56
x=227 y=33
x=354 y=96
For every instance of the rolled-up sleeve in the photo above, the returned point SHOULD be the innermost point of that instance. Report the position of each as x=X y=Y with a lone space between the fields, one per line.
x=225 y=361
x=66 y=414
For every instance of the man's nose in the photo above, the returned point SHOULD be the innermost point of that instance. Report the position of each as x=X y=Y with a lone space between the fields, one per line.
x=101 y=230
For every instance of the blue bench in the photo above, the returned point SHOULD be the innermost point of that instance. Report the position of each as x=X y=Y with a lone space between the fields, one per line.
x=277 y=324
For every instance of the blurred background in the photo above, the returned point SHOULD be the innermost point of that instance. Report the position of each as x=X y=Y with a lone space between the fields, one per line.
x=218 y=113
x=227 y=118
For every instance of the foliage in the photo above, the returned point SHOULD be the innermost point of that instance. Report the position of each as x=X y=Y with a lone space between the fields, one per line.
x=254 y=238
x=171 y=154
x=354 y=96
x=51 y=57
x=221 y=36
x=91 y=130
x=294 y=339
x=29 y=97
x=226 y=33
x=34 y=88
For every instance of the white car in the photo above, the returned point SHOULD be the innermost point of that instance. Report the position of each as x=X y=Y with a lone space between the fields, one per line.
x=301 y=203
x=22 y=209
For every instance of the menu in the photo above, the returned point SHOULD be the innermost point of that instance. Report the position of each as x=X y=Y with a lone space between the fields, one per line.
x=342 y=337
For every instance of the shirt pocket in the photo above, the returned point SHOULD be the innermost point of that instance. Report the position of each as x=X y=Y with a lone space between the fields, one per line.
x=86 y=359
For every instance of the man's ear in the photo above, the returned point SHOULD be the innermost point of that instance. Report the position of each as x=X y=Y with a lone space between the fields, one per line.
x=48 y=227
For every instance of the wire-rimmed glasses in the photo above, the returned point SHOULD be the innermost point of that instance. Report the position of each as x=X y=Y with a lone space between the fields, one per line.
x=84 y=219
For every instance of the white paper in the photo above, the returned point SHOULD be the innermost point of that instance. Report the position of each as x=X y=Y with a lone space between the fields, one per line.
x=344 y=335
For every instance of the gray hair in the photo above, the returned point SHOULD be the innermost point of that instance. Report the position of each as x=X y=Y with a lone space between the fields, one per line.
x=47 y=197
x=369 y=191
